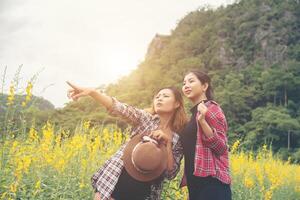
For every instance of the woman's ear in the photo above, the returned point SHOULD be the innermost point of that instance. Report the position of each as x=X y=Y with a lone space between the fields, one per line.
x=177 y=105
x=205 y=86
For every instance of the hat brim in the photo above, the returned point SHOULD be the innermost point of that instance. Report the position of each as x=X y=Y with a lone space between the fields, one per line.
x=132 y=171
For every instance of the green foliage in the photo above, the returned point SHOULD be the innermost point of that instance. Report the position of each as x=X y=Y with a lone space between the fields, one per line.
x=251 y=51
x=270 y=125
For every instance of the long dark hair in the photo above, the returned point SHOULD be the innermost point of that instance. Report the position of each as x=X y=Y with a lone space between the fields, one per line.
x=203 y=78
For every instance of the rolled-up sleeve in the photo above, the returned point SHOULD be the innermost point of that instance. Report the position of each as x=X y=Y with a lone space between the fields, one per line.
x=217 y=121
x=130 y=114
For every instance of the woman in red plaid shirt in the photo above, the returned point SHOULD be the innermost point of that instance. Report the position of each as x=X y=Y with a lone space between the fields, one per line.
x=204 y=142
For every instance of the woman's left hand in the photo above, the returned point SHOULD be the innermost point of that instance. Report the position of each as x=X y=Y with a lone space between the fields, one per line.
x=159 y=135
x=202 y=109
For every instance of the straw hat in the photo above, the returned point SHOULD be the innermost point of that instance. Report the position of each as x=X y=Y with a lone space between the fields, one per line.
x=144 y=158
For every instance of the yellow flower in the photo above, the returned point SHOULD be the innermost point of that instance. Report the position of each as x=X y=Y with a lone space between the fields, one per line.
x=260 y=176
x=11 y=95
x=268 y=195
x=265 y=149
x=48 y=131
x=117 y=138
x=60 y=165
x=38 y=185
x=81 y=185
x=3 y=195
x=13 y=187
x=28 y=94
x=14 y=146
x=185 y=192
x=33 y=136
x=58 y=139
x=86 y=125
x=47 y=136
x=65 y=134
x=248 y=182
x=178 y=195
x=235 y=146
x=22 y=166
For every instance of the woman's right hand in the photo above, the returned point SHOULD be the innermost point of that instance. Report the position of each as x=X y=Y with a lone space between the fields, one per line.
x=76 y=92
x=159 y=135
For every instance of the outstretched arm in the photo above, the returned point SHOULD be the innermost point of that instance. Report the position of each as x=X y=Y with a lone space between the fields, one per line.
x=76 y=92
x=129 y=113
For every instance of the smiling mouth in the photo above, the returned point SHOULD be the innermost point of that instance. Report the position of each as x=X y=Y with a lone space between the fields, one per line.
x=188 y=91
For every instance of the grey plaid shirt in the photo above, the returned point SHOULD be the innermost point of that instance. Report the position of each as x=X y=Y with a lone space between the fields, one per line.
x=106 y=178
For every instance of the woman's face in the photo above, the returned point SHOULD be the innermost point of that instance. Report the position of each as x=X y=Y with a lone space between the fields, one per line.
x=165 y=102
x=192 y=87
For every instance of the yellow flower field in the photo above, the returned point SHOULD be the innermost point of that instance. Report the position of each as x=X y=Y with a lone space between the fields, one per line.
x=51 y=164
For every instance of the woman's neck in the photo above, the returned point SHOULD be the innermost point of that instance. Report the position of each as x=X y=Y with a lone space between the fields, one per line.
x=165 y=121
x=199 y=99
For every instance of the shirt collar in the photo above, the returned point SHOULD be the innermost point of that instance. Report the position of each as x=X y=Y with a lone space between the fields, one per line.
x=194 y=108
x=155 y=117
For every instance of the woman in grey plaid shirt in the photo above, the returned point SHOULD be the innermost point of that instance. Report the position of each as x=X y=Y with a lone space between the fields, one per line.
x=163 y=123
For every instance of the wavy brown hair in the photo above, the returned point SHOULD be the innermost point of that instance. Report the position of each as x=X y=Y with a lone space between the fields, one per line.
x=179 y=118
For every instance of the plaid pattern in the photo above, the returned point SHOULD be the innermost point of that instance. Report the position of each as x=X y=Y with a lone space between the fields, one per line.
x=211 y=156
x=106 y=178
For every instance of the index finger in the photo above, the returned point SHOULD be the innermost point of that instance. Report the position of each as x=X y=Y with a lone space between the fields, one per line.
x=70 y=84
x=155 y=131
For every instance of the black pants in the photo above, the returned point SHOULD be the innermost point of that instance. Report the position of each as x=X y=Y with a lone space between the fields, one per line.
x=208 y=188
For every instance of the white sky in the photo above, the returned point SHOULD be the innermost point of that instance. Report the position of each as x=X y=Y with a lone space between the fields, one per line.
x=89 y=43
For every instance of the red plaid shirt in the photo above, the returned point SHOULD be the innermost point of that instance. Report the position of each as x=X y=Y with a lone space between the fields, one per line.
x=211 y=154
